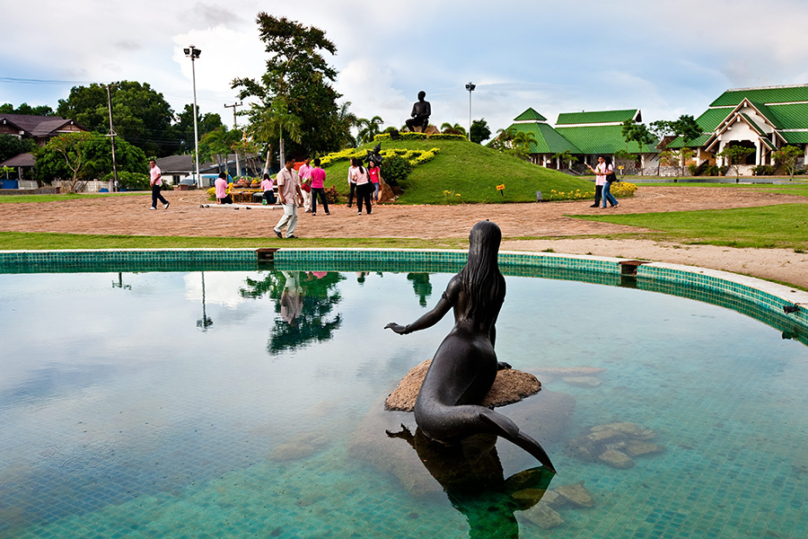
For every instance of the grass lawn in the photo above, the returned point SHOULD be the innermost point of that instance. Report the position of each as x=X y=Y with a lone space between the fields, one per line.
x=799 y=189
x=52 y=241
x=784 y=225
x=61 y=198
x=470 y=170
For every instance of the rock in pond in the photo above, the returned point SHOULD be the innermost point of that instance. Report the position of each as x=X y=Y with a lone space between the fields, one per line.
x=510 y=386
x=582 y=381
x=544 y=516
x=576 y=494
x=616 y=459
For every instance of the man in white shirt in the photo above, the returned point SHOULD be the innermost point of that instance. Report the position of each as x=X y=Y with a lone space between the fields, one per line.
x=288 y=190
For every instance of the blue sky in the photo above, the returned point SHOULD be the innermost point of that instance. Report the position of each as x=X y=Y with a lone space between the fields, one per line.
x=665 y=58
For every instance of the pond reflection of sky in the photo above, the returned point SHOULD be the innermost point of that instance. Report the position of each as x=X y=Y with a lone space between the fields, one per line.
x=122 y=414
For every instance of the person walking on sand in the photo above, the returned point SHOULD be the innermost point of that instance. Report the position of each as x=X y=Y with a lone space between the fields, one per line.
x=288 y=191
x=221 y=189
x=363 y=186
x=318 y=187
x=304 y=175
x=156 y=182
x=351 y=183
x=266 y=186
x=603 y=170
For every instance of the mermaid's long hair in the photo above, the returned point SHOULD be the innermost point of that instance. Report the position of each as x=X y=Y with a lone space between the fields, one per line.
x=482 y=282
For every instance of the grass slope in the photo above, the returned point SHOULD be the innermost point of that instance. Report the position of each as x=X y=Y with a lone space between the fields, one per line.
x=471 y=170
x=784 y=225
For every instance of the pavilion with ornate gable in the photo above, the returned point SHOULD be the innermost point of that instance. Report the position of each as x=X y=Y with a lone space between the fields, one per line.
x=764 y=119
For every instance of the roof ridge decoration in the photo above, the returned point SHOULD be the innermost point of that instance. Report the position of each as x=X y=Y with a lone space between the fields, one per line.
x=530 y=115
x=775 y=87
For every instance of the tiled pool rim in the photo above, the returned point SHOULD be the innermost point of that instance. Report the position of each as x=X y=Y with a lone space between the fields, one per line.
x=763 y=295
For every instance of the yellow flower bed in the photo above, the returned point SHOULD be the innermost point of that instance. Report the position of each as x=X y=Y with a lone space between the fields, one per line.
x=623 y=189
x=413 y=157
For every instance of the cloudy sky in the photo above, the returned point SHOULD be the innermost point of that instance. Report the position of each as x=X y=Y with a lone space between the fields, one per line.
x=666 y=58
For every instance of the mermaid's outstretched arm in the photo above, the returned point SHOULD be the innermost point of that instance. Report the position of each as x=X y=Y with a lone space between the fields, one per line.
x=446 y=302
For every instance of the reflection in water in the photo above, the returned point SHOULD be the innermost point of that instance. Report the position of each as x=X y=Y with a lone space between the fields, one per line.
x=421 y=286
x=204 y=322
x=471 y=474
x=304 y=301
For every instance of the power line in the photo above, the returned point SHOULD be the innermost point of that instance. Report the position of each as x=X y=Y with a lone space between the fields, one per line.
x=14 y=80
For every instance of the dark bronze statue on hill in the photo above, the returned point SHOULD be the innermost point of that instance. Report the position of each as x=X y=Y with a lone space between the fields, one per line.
x=448 y=407
x=421 y=111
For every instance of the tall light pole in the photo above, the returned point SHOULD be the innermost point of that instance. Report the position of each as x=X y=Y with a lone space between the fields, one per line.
x=193 y=53
x=112 y=139
x=235 y=126
x=470 y=87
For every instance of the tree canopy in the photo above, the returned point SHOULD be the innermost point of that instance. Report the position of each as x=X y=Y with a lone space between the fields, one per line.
x=85 y=157
x=25 y=108
x=298 y=74
x=140 y=114
x=480 y=131
x=11 y=146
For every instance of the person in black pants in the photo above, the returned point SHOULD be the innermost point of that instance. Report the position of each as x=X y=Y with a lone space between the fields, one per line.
x=156 y=180
x=317 y=187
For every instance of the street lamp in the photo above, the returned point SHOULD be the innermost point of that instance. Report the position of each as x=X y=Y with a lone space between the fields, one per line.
x=193 y=53
x=470 y=87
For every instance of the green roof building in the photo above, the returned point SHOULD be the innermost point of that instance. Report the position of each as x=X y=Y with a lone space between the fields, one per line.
x=584 y=134
x=764 y=119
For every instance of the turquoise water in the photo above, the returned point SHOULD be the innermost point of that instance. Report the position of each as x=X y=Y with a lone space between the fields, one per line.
x=130 y=408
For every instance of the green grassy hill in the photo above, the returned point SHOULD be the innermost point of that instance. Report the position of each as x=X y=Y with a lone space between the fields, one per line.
x=471 y=170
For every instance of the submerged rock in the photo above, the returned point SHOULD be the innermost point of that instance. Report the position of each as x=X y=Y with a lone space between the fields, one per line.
x=582 y=381
x=510 y=386
x=576 y=494
x=300 y=446
x=640 y=449
x=544 y=516
x=616 y=459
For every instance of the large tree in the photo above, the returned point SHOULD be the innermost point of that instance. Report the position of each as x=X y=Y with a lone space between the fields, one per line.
x=140 y=114
x=299 y=76
x=87 y=157
x=184 y=127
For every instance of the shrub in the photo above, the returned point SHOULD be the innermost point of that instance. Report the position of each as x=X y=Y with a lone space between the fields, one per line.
x=722 y=171
x=412 y=135
x=763 y=170
x=623 y=189
x=133 y=181
x=711 y=170
x=331 y=194
x=395 y=169
x=447 y=136
x=693 y=169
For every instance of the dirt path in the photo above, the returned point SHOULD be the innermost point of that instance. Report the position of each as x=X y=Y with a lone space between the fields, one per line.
x=130 y=215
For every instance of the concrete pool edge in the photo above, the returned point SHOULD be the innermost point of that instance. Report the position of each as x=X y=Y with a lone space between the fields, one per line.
x=763 y=294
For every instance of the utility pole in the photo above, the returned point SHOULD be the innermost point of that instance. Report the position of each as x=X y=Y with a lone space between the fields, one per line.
x=235 y=126
x=193 y=53
x=112 y=139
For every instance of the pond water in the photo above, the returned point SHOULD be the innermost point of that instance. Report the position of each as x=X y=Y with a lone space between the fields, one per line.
x=250 y=404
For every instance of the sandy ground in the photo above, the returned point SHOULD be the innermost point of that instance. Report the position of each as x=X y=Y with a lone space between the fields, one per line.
x=130 y=215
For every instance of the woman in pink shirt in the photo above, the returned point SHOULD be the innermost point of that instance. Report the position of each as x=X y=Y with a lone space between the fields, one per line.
x=317 y=177
x=221 y=189
x=363 y=186
x=374 y=172
x=267 y=187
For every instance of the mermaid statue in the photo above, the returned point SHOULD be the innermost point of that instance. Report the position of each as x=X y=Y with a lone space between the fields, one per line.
x=448 y=408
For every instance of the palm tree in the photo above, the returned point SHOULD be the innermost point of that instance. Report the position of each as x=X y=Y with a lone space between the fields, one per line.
x=346 y=120
x=369 y=128
x=523 y=138
x=450 y=129
x=270 y=123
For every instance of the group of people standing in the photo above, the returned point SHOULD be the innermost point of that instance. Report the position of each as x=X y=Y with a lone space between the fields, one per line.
x=604 y=177
x=364 y=184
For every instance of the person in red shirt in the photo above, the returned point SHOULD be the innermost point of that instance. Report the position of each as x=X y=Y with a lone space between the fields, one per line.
x=374 y=172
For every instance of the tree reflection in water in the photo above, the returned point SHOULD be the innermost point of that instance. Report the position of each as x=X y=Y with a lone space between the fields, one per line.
x=471 y=474
x=421 y=286
x=304 y=301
